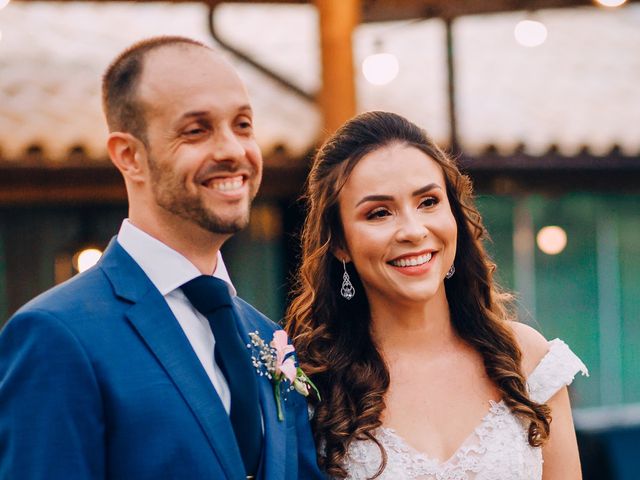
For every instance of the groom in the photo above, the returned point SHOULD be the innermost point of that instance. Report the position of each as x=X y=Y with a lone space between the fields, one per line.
x=140 y=368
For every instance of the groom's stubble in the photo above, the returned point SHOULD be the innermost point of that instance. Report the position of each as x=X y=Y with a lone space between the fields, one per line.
x=171 y=195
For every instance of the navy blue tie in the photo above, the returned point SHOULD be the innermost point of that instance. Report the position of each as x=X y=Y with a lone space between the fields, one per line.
x=210 y=296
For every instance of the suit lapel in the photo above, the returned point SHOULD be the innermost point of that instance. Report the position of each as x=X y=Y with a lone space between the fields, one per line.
x=275 y=440
x=274 y=452
x=152 y=318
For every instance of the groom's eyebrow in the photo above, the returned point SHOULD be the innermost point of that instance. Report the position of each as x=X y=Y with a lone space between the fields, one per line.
x=245 y=108
x=194 y=114
x=181 y=121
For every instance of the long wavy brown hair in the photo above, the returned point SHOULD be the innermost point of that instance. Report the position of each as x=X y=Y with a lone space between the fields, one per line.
x=332 y=336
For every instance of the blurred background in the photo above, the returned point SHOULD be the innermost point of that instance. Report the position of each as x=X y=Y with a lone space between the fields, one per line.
x=539 y=100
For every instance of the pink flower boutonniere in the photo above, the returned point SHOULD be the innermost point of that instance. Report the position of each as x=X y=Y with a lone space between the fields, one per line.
x=276 y=362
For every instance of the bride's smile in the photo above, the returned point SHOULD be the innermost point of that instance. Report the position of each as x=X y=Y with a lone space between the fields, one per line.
x=398 y=227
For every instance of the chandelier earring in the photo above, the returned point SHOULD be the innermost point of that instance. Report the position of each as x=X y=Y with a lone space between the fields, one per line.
x=347 y=290
x=450 y=273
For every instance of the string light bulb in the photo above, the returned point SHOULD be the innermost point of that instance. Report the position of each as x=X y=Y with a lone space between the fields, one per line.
x=530 y=33
x=380 y=68
x=611 y=3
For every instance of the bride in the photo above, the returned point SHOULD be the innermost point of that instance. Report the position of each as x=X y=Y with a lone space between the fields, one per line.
x=397 y=319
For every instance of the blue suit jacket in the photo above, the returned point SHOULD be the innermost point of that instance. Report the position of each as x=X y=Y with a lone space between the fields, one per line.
x=98 y=381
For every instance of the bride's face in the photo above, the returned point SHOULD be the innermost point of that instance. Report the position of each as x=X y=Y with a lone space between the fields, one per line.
x=399 y=231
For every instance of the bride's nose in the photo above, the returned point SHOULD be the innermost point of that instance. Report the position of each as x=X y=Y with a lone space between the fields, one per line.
x=411 y=228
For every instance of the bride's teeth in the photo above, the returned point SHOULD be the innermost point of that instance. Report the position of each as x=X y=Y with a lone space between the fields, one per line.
x=413 y=262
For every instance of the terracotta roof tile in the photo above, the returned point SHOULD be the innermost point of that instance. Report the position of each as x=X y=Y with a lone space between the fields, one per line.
x=582 y=87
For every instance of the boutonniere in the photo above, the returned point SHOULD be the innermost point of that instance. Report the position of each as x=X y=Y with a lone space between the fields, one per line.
x=275 y=361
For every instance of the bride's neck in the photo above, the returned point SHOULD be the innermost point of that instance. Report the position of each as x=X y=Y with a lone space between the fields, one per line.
x=406 y=327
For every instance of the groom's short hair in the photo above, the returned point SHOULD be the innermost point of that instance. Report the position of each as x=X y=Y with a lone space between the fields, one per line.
x=122 y=107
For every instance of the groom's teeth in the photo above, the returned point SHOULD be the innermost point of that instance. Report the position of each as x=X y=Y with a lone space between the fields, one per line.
x=412 y=261
x=227 y=184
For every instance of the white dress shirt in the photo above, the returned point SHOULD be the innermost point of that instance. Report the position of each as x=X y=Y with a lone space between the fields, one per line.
x=168 y=270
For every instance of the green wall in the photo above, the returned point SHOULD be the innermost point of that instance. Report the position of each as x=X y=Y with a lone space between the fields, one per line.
x=589 y=294
x=32 y=238
x=256 y=262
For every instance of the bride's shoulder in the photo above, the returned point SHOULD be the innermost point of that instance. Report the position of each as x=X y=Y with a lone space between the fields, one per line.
x=533 y=345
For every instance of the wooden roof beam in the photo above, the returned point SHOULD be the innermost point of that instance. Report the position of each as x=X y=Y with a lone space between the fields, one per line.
x=338 y=20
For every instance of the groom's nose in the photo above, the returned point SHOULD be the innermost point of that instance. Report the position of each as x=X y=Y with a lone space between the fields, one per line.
x=226 y=145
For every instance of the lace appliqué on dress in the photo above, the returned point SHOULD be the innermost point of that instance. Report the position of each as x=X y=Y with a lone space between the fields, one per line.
x=498 y=448
x=556 y=369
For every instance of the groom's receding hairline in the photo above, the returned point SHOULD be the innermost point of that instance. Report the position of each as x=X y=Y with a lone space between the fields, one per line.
x=123 y=111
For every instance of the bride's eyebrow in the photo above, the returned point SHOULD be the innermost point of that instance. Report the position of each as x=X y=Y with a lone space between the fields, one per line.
x=375 y=198
x=386 y=198
x=425 y=189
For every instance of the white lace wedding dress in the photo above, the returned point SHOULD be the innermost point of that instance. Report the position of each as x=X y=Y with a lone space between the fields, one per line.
x=496 y=450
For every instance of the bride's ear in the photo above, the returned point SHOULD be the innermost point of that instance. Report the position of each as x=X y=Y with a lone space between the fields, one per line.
x=341 y=254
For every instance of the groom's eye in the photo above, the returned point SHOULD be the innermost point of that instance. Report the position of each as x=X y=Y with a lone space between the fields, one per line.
x=244 y=124
x=195 y=131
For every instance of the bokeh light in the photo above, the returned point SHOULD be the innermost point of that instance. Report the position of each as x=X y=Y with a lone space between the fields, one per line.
x=86 y=259
x=551 y=240
x=380 y=68
x=530 y=33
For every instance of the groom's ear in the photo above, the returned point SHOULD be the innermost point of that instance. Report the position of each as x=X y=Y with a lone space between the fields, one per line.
x=129 y=155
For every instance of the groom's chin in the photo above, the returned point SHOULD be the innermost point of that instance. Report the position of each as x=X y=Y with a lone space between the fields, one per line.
x=220 y=225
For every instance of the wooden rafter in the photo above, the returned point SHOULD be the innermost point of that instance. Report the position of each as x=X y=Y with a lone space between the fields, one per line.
x=385 y=10
x=338 y=19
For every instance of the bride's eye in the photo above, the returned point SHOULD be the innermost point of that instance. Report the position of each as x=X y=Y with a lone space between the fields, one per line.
x=429 y=202
x=377 y=213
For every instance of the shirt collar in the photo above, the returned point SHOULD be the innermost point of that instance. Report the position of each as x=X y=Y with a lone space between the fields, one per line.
x=166 y=268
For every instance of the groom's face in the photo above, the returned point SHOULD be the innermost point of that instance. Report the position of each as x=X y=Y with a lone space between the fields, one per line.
x=204 y=163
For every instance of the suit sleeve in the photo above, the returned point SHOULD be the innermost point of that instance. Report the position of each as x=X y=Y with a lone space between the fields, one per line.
x=307 y=456
x=51 y=424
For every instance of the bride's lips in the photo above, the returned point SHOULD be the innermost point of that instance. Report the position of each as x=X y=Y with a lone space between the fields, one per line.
x=415 y=263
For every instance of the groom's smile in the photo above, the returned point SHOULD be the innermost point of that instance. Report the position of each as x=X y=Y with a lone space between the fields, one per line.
x=204 y=161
